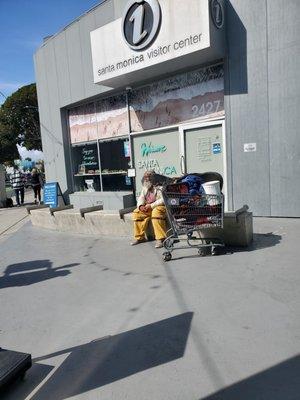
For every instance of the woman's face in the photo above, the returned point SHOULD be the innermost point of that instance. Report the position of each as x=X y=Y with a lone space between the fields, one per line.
x=147 y=182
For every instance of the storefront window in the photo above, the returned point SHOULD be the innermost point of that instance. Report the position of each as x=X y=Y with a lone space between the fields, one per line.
x=107 y=174
x=115 y=161
x=86 y=167
x=189 y=96
x=101 y=164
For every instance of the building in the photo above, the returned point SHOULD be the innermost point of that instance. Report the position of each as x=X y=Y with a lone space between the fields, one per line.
x=176 y=86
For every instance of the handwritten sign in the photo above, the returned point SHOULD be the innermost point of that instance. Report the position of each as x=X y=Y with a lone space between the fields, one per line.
x=147 y=149
x=89 y=158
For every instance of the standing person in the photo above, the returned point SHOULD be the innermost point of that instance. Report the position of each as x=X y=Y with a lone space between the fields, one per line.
x=17 y=183
x=36 y=181
x=150 y=205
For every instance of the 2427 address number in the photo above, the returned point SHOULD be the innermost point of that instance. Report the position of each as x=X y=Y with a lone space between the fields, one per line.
x=210 y=107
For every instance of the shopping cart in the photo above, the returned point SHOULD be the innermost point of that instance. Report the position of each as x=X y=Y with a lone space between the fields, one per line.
x=196 y=219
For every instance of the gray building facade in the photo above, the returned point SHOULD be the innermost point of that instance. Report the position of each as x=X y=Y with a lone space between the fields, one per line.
x=255 y=53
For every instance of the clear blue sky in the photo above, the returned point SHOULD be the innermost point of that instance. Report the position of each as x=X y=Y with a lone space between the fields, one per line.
x=23 y=25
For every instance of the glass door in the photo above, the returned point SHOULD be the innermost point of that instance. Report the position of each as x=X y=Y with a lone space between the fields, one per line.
x=158 y=151
x=204 y=149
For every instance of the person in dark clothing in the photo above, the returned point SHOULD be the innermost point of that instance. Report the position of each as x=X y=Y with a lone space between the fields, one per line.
x=17 y=183
x=36 y=183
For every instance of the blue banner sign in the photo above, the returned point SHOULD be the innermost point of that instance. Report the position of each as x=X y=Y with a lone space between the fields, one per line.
x=51 y=194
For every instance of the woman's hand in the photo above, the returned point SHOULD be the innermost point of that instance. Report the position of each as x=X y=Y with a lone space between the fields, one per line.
x=142 y=209
x=145 y=208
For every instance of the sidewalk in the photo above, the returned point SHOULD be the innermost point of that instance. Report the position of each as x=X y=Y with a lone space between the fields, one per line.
x=104 y=320
x=11 y=219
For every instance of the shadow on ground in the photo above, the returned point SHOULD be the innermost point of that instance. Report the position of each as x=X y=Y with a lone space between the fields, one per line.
x=30 y=272
x=107 y=360
x=260 y=241
x=280 y=382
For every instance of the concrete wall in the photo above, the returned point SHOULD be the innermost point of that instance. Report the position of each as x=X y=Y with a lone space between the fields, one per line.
x=109 y=200
x=64 y=76
x=284 y=102
x=261 y=101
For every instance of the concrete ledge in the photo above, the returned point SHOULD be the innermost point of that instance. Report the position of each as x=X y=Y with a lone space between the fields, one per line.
x=109 y=223
x=60 y=208
x=125 y=211
x=86 y=210
x=71 y=221
x=43 y=219
x=237 y=231
x=36 y=207
x=106 y=223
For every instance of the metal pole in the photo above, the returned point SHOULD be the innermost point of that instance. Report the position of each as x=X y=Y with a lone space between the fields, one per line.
x=128 y=90
x=98 y=150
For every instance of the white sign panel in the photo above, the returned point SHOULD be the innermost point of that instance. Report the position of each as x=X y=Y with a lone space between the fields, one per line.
x=131 y=173
x=249 y=147
x=183 y=28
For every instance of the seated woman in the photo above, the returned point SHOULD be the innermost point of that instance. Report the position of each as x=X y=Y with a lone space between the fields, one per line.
x=150 y=206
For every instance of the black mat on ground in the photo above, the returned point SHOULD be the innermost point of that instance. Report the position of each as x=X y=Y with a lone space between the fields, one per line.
x=13 y=365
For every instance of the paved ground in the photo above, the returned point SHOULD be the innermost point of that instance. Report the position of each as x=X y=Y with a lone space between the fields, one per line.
x=107 y=321
x=11 y=219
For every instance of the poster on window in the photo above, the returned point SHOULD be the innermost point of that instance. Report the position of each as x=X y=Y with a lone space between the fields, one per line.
x=83 y=123
x=106 y=118
x=186 y=97
x=158 y=152
x=112 y=117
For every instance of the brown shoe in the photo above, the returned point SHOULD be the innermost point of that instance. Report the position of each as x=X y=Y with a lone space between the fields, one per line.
x=135 y=242
x=159 y=244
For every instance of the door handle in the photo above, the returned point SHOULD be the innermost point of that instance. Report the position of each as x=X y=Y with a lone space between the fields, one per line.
x=182 y=164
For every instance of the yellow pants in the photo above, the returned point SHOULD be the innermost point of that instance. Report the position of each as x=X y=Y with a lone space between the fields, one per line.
x=141 y=221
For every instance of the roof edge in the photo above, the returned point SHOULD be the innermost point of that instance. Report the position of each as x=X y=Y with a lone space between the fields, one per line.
x=48 y=38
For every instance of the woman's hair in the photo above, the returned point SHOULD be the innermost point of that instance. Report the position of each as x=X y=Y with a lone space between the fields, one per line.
x=150 y=174
x=34 y=171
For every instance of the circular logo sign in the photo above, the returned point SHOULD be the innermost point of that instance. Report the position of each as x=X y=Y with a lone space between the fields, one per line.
x=141 y=23
x=217 y=13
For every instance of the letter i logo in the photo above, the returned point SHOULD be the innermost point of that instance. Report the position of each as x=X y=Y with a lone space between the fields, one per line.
x=137 y=19
x=141 y=23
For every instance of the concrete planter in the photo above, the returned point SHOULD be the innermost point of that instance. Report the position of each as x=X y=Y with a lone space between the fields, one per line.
x=238 y=225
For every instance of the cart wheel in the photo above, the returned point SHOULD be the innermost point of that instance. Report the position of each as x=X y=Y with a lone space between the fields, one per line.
x=169 y=243
x=202 y=252
x=214 y=251
x=167 y=256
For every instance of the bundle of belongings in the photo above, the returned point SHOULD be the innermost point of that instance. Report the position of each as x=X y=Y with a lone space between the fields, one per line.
x=194 y=183
x=193 y=200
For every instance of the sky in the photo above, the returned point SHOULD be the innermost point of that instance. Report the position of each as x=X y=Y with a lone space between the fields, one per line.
x=23 y=25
